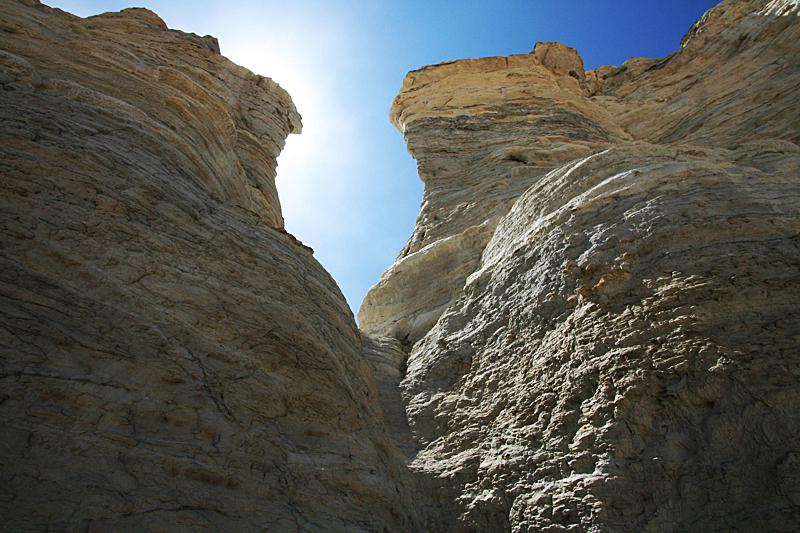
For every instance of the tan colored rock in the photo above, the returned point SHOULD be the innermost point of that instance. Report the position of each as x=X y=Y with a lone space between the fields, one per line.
x=594 y=326
x=227 y=125
x=170 y=358
x=733 y=80
x=624 y=356
x=560 y=60
x=388 y=360
x=482 y=131
x=401 y=288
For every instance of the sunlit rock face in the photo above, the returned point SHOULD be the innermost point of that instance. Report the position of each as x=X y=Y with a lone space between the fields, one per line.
x=733 y=80
x=482 y=131
x=170 y=358
x=600 y=298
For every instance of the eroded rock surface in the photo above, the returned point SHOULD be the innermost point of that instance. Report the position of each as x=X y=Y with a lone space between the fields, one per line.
x=170 y=358
x=482 y=131
x=600 y=298
x=734 y=79
x=627 y=352
x=594 y=326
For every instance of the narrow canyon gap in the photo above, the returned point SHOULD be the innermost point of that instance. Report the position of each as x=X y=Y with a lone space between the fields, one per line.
x=593 y=327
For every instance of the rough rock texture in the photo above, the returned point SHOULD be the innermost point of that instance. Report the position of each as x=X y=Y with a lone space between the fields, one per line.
x=594 y=326
x=627 y=354
x=734 y=79
x=601 y=298
x=388 y=361
x=482 y=131
x=223 y=126
x=170 y=358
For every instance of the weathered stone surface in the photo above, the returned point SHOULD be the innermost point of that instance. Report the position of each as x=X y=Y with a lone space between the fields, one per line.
x=388 y=360
x=623 y=352
x=482 y=131
x=594 y=326
x=627 y=352
x=170 y=358
x=469 y=122
x=222 y=125
x=734 y=79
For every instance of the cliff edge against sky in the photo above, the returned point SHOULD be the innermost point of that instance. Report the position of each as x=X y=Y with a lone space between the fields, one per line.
x=600 y=297
x=593 y=327
x=172 y=360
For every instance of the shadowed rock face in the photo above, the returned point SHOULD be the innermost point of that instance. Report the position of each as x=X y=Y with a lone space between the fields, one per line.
x=599 y=299
x=170 y=358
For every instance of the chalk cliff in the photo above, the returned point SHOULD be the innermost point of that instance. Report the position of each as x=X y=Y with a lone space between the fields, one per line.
x=593 y=327
x=600 y=297
x=170 y=358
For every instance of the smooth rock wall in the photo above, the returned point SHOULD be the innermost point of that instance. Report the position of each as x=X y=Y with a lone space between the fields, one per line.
x=170 y=358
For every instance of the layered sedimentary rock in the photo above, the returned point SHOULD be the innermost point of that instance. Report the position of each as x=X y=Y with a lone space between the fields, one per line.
x=170 y=358
x=594 y=326
x=482 y=132
x=734 y=79
x=627 y=353
x=600 y=298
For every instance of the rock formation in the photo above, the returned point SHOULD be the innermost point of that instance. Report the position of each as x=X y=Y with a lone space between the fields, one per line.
x=600 y=297
x=170 y=358
x=594 y=326
x=482 y=131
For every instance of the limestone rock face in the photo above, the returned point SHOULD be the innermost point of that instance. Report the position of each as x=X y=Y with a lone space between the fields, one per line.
x=734 y=79
x=594 y=326
x=170 y=358
x=482 y=131
x=627 y=352
x=221 y=125
x=600 y=298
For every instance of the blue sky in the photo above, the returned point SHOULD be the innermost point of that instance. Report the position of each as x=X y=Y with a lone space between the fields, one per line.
x=348 y=187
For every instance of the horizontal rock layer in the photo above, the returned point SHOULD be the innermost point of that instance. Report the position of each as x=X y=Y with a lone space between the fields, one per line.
x=170 y=358
x=220 y=125
x=599 y=300
x=733 y=80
